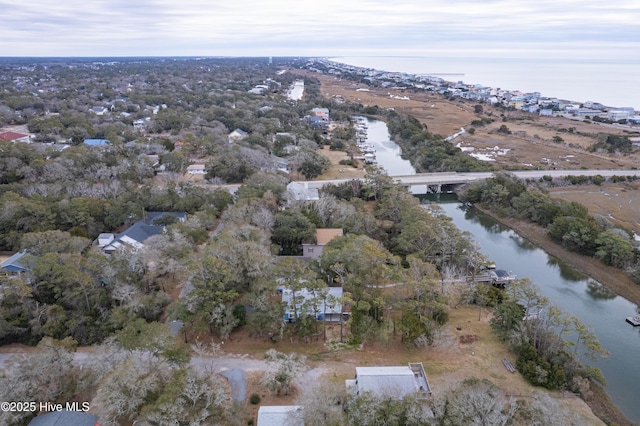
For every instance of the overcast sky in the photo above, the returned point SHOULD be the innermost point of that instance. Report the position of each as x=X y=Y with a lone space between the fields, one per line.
x=484 y=28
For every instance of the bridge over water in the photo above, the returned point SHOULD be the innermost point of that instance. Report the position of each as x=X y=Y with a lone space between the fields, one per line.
x=449 y=181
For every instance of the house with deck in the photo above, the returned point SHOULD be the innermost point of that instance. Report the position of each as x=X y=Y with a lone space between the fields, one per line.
x=323 y=304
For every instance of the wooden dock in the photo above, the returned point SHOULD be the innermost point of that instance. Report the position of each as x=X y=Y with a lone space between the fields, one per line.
x=634 y=321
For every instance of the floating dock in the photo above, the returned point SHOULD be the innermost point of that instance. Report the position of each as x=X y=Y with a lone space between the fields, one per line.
x=634 y=321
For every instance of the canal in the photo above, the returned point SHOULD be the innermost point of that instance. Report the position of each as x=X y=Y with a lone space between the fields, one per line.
x=570 y=290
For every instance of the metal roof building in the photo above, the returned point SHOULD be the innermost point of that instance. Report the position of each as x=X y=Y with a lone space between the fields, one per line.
x=395 y=381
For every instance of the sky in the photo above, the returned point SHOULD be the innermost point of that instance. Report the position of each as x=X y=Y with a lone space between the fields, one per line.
x=479 y=28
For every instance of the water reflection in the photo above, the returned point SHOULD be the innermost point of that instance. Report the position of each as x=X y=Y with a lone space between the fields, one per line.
x=566 y=272
x=573 y=292
x=599 y=291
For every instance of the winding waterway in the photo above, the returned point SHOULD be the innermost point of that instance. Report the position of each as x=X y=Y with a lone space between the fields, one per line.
x=570 y=290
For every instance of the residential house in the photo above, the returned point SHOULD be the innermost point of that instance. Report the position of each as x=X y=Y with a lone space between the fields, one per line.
x=105 y=239
x=140 y=124
x=134 y=236
x=322 y=113
x=259 y=89
x=323 y=237
x=284 y=415
x=197 y=169
x=96 y=142
x=154 y=218
x=390 y=382
x=14 y=137
x=237 y=135
x=99 y=110
x=281 y=164
x=301 y=192
x=325 y=307
x=64 y=418
x=620 y=113
x=13 y=264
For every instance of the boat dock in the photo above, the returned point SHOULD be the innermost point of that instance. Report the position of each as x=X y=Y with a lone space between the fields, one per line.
x=634 y=321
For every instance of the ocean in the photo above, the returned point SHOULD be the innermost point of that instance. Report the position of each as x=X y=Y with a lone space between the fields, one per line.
x=613 y=83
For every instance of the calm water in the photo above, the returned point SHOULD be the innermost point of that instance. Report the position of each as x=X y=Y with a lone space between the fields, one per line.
x=388 y=153
x=574 y=293
x=570 y=290
x=610 y=82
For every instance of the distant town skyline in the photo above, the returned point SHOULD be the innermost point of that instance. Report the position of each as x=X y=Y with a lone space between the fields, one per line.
x=485 y=28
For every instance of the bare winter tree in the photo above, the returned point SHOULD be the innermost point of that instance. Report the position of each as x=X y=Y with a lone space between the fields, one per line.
x=282 y=369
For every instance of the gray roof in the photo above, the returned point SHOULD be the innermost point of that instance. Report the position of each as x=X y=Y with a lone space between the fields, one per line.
x=396 y=381
x=140 y=231
x=151 y=216
x=64 y=418
x=135 y=235
x=13 y=263
x=301 y=191
x=286 y=415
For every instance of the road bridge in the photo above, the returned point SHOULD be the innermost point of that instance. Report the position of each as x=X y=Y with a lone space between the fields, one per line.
x=449 y=181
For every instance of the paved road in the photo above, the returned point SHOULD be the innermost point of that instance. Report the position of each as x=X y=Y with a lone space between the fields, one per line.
x=238 y=380
x=456 y=178
x=234 y=368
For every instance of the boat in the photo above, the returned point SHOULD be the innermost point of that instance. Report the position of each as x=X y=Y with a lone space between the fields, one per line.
x=634 y=321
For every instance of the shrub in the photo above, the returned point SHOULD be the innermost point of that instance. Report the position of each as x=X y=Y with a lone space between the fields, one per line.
x=255 y=399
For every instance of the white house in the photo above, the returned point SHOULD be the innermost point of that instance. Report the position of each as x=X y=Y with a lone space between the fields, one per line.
x=237 y=135
x=619 y=114
x=105 y=239
x=196 y=169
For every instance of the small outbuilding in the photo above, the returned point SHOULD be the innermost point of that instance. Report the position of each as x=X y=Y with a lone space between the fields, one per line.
x=280 y=415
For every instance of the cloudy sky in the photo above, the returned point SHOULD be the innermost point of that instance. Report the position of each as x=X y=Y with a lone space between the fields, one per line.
x=483 y=28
